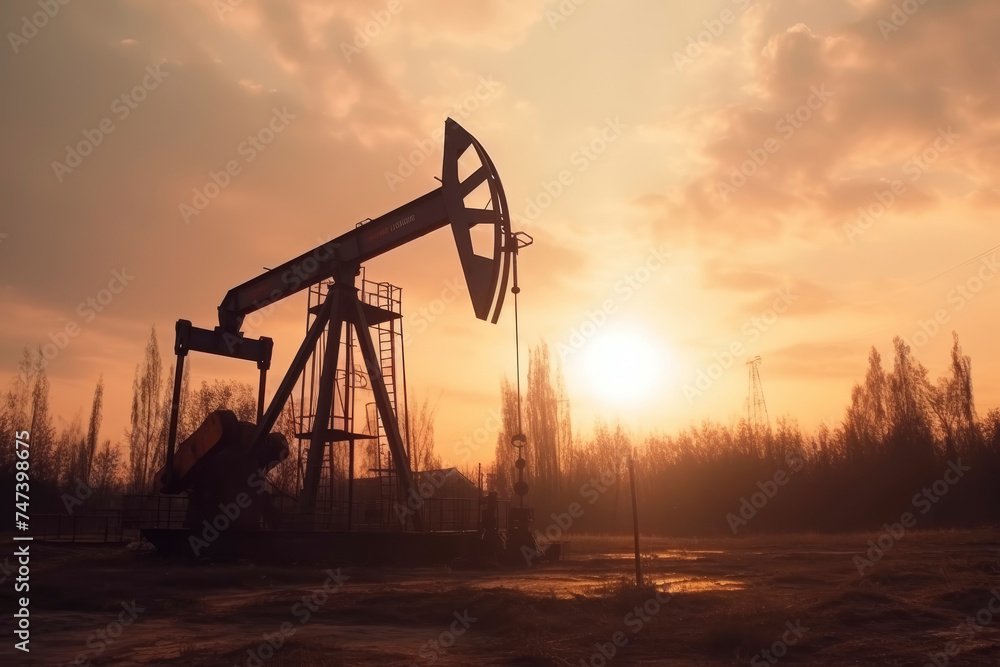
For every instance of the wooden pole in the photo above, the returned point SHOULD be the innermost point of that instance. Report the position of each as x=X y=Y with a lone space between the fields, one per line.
x=635 y=521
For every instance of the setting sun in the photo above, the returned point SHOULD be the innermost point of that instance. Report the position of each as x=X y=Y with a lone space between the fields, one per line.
x=624 y=366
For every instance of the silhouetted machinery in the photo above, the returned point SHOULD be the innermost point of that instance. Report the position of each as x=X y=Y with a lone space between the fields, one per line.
x=220 y=458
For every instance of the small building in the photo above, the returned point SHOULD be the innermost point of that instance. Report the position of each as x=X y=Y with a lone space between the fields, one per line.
x=448 y=500
x=445 y=483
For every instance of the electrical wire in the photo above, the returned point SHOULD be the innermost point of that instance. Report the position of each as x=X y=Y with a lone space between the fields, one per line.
x=942 y=273
x=958 y=266
x=926 y=281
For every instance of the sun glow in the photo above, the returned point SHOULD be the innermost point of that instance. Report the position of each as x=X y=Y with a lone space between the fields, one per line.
x=625 y=366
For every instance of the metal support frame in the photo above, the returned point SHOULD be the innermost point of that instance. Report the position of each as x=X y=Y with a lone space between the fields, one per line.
x=400 y=459
x=192 y=338
x=324 y=403
x=342 y=307
x=340 y=259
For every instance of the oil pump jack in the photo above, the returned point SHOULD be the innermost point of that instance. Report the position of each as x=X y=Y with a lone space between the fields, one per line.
x=222 y=456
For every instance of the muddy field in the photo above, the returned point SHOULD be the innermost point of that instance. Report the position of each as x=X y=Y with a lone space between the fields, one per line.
x=713 y=602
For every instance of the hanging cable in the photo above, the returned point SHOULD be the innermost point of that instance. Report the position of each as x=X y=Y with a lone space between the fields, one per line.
x=517 y=339
x=514 y=243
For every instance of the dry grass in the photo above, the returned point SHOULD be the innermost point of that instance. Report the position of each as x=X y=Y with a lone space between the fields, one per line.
x=731 y=598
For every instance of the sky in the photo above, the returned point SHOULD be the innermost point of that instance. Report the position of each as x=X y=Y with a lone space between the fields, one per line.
x=705 y=183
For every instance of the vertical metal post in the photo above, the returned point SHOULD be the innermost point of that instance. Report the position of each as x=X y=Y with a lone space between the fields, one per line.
x=314 y=459
x=400 y=460
x=635 y=521
x=349 y=399
x=260 y=395
x=292 y=374
x=402 y=363
x=302 y=400
x=350 y=485
x=180 y=348
x=264 y=363
x=298 y=465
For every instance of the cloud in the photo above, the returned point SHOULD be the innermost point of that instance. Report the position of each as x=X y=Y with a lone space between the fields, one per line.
x=888 y=101
x=358 y=114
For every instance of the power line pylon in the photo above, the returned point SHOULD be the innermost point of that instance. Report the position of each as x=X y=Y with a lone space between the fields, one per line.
x=756 y=405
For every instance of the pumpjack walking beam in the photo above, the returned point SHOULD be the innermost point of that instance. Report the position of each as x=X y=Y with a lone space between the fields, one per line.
x=340 y=260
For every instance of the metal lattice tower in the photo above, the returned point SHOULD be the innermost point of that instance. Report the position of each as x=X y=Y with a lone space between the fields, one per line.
x=756 y=405
x=351 y=391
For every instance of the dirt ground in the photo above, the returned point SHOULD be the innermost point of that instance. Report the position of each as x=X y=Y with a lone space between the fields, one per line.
x=714 y=602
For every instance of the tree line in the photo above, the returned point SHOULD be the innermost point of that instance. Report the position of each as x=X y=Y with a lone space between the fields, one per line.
x=76 y=456
x=900 y=434
x=897 y=449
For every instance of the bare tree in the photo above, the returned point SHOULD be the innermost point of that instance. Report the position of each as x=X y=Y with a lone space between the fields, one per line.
x=95 y=424
x=910 y=402
x=240 y=397
x=961 y=401
x=43 y=433
x=145 y=421
x=503 y=477
x=867 y=423
x=543 y=427
x=107 y=471
x=284 y=474
x=421 y=427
